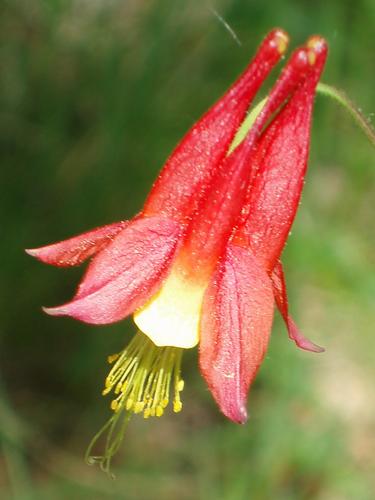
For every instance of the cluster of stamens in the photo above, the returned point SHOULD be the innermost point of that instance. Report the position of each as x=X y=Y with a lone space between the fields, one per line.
x=142 y=377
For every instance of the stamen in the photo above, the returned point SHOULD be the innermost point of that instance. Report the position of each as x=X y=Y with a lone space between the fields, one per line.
x=140 y=380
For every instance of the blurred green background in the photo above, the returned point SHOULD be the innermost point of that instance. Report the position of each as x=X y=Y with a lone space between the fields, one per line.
x=94 y=96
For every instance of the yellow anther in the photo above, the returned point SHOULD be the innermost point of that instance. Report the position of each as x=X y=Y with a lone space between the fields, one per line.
x=159 y=411
x=177 y=406
x=143 y=376
x=147 y=413
x=180 y=385
x=112 y=358
x=138 y=407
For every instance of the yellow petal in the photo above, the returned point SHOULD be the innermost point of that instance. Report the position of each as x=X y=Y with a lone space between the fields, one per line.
x=171 y=317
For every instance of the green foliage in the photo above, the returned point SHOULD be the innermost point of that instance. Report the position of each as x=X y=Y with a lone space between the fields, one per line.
x=94 y=96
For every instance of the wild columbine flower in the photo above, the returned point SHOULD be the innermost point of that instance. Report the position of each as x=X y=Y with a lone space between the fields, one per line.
x=200 y=263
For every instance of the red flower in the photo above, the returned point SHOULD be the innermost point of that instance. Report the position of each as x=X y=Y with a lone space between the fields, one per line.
x=200 y=263
x=237 y=312
x=128 y=270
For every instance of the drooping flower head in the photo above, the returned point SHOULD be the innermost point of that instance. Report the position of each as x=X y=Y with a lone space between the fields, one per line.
x=200 y=262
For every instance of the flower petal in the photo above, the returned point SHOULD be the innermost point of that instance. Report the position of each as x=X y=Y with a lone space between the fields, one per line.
x=221 y=204
x=171 y=317
x=280 y=294
x=126 y=273
x=175 y=193
x=235 y=328
x=76 y=250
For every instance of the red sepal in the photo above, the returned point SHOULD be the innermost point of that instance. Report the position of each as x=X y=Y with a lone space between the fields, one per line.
x=280 y=294
x=126 y=273
x=235 y=328
x=74 y=251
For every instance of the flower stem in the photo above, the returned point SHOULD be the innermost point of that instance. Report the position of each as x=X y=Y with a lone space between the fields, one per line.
x=340 y=97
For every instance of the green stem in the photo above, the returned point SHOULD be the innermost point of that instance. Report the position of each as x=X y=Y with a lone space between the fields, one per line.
x=340 y=97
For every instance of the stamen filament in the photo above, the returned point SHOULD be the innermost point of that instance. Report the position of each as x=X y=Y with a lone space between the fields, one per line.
x=140 y=380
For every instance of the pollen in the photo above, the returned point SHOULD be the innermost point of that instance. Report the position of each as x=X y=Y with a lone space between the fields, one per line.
x=143 y=376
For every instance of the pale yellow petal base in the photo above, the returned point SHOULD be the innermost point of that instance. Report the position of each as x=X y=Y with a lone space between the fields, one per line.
x=171 y=317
